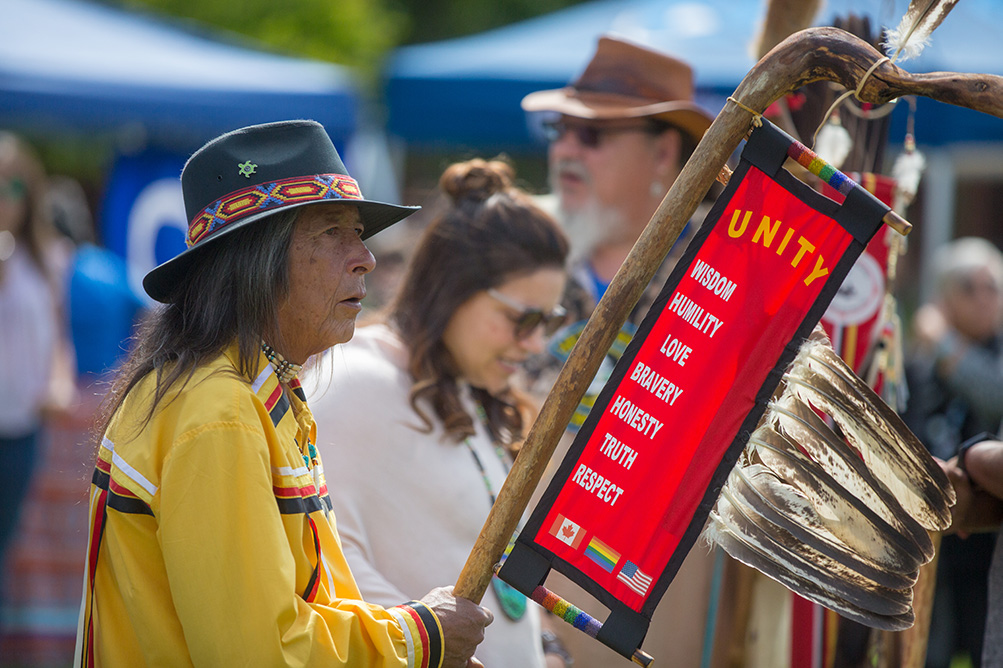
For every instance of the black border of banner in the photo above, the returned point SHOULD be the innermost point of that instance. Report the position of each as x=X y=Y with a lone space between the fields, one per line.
x=529 y=563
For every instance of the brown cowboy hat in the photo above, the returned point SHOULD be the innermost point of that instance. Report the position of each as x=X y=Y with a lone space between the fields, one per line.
x=626 y=80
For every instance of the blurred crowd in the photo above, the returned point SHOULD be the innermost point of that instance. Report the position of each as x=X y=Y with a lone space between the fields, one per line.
x=67 y=315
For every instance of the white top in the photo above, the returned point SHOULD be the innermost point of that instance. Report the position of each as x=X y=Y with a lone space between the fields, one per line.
x=408 y=504
x=28 y=336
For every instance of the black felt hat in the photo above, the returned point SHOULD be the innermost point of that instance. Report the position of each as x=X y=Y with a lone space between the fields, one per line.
x=248 y=174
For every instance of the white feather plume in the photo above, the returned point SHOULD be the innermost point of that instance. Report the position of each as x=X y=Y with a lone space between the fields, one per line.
x=839 y=517
x=913 y=32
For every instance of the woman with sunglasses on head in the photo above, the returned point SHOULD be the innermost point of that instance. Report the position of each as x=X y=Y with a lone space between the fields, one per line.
x=427 y=416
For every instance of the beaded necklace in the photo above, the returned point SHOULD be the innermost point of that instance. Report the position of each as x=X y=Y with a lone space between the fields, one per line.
x=284 y=369
x=513 y=602
x=312 y=465
x=287 y=372
x=500 y=451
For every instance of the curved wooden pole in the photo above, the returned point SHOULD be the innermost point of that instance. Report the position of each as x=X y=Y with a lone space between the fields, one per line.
x=810 y=55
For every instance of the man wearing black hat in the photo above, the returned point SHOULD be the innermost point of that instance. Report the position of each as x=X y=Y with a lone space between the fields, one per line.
x=619 y=135
x=211 y=537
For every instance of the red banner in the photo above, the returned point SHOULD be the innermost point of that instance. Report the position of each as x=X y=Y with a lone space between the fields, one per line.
x=635 y=488
x=853 y=320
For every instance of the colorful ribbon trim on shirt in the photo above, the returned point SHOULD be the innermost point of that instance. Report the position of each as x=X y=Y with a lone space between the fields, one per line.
x=262 y=197
x=422 y=634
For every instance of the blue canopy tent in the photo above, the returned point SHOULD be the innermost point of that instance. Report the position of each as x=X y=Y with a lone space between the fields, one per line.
x=158 y=89
x=75 y=66
x=466 y=92
x=74 y=69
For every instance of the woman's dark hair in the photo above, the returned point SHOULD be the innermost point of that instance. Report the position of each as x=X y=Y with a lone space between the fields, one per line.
x=231 y=294
x=490 y=233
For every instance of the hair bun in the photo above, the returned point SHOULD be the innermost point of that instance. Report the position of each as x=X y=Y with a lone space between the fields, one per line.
x=476 y=179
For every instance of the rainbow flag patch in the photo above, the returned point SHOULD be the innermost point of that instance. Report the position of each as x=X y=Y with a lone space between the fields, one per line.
x=602 y=554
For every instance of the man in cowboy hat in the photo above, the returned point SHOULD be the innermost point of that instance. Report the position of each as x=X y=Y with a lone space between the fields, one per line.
x=211 y=538
x=618 y=137
x=619 y=134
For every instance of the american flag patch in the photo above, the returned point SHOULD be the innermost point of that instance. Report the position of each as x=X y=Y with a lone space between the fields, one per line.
x=634 y=578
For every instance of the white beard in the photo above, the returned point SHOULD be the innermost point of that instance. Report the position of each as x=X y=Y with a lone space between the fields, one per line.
x=588 y=227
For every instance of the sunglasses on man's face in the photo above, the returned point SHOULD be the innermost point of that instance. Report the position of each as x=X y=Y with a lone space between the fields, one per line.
x=590 y=135
x=530 y=318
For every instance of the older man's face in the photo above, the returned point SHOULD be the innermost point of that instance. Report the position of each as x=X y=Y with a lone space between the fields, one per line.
x=604 y=171
x=327 y=265
x=973 y=304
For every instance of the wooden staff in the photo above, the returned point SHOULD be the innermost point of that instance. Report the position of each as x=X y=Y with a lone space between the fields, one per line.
x=911 y=643
x=810 y=55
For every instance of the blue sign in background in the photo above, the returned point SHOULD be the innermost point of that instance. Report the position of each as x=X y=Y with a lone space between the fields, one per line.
x=143 y=215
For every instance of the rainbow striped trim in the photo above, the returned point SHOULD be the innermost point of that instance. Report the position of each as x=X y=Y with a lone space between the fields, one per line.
x=808 y=159
x=242 y=203
x=578 y=618
x=422 y=634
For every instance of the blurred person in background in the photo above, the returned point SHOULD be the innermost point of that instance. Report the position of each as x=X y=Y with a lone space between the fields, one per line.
x=619 y=135
x=977 y=475
x=420 y=413
x=102 y=308
x=36 y=358
x=955 y=378
x=211 y=538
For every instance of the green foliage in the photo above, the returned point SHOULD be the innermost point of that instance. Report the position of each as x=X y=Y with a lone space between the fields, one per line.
x=433 y=20
x=356 y=33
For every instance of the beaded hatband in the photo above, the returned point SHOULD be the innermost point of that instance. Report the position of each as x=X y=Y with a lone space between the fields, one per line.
x=265 y=196
x=284 y=369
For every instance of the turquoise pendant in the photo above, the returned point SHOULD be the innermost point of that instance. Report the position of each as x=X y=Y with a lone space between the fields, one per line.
x=513 y=602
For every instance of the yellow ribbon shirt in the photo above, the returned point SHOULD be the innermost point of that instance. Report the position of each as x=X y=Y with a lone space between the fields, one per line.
x=212 y=541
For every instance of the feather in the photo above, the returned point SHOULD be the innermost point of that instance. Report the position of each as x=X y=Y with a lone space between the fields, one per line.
x=760 y=490
x=893 y=452
x=913 y=32
x=717 y=533
x=841 y=521
x=832 y=453
x=916 y=494
x=833 y=142
x=844 y=516
x=802 y=560
x=907 y=170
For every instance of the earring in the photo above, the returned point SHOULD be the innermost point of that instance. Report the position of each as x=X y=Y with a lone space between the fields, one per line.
x=657 y=189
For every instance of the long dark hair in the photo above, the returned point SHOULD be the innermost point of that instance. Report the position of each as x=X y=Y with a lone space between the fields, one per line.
x=231 y=294
x=490 y=233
